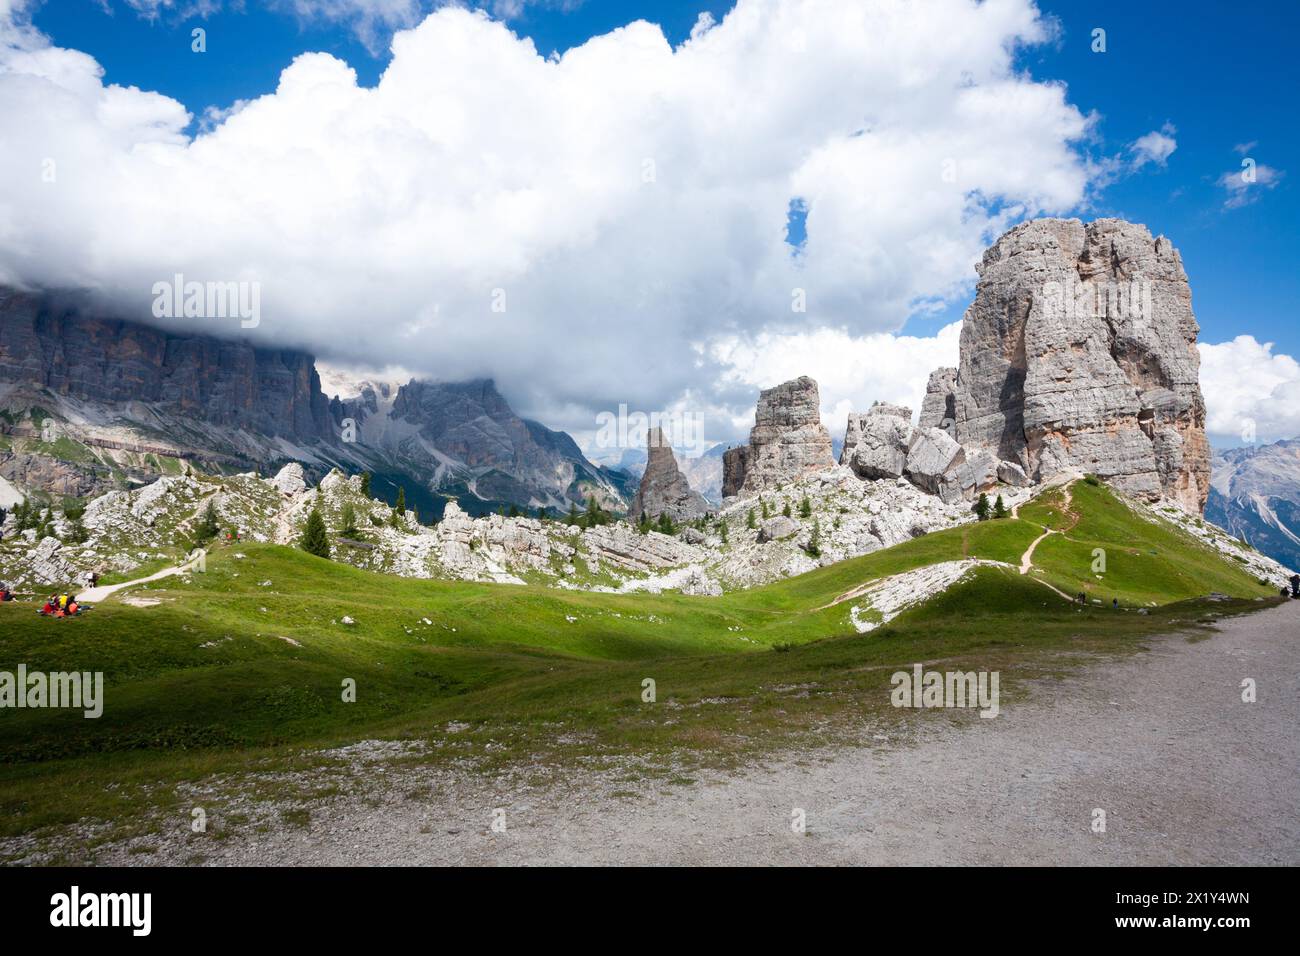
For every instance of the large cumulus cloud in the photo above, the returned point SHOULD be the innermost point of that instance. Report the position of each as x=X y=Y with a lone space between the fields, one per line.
x=626 y=202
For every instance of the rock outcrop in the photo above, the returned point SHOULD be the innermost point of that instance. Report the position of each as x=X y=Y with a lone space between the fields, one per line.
x=939 y=407
x=787 y=441
x=664 y=489
x=882 y=443
x=876 y=442
x=1079 y=354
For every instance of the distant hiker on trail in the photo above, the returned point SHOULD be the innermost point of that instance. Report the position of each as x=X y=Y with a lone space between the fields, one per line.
x=1295 y=585
x=5 y=593
x=1115 y=603
x=1082 y=598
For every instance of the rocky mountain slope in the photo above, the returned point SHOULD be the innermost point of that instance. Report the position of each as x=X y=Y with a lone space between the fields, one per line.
x=1255 y=495
x=466 y=442
x=1079 y=354
x=89 y=404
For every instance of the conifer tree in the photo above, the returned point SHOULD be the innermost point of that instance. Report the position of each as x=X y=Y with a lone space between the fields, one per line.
x=815 y=539
x=399 y=509
x=365 y=483
x=749 y=520
x=982 y=507
x=348 y=519
x=786 y=510
x=314 y=539
x=805 y=508
x=999 y=508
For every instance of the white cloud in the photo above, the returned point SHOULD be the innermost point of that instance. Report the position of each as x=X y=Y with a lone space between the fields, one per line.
x=1247 y=385
x=851 y=371
x=1154 y=147
x=1248 y=184
x=629 y=198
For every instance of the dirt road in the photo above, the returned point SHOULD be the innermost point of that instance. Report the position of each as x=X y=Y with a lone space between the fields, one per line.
x=1186 y=772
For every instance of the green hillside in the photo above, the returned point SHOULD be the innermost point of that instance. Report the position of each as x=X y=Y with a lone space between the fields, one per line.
x=244 y=664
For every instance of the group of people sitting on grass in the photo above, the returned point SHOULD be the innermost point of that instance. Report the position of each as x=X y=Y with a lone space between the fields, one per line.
x=61 y=605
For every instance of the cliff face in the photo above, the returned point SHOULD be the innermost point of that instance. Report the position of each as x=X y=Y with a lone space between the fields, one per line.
x=1079 y=354
x=787 y=441
x=112 y=362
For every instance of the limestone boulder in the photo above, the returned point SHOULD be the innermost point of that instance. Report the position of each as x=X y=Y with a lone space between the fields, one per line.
x=778 y=529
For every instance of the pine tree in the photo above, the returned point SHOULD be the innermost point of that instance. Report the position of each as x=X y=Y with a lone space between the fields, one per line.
x=763 y=506
x=208 y=526
x=348 y=519
x=666 y=524
x=749 y=520
x=76 y=532
x=573 y=514
x=815 y=539
x=786 y=510
x=399 y=509
x=999 y=508
x=314 y=539
x=365 y=483
x=805 y=508
x=514 y=512
x=982 y=507
x=722 y=530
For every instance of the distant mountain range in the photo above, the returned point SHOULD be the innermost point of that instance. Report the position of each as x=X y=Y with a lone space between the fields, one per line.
x=89 y=402
x=1255 y=495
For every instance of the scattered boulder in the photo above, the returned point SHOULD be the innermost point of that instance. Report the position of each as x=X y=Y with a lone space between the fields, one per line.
x=289 y=480
x=876 y=442
x=933 y=460
x=1009 y=473
x=778 y=529
x=47 y=565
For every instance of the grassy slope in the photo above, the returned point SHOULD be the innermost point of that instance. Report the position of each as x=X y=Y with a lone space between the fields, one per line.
x=517 y=663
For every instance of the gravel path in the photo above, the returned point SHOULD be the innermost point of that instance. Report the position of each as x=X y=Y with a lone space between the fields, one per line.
x=1186 y=771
